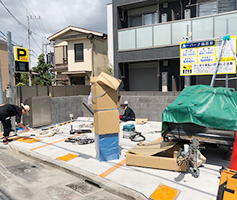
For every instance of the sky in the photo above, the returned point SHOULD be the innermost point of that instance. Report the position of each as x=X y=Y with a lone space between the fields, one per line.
x=47 y=17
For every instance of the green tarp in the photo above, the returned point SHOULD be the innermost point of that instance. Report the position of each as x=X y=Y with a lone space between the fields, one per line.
x=205 y=106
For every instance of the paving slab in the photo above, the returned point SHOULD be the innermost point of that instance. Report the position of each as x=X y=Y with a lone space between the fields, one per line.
x=140 y=180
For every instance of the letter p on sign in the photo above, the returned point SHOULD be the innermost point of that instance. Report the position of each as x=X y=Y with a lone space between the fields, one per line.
x=21 y=54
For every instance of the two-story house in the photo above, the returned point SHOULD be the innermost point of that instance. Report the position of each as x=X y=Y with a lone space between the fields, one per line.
x=78 y=55
x=147 y=34
x=4 y=64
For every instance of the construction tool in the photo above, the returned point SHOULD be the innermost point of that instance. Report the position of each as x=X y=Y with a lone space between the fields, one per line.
x=191 y=155
x=130 y=133
x=81 y=140
x=82 y=129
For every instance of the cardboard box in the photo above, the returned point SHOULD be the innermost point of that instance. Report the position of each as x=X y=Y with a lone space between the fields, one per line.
x=107 y=147
x=152 y=155
x=106 y=121
x=108 y=80
x=104 y=97
x=104 y=89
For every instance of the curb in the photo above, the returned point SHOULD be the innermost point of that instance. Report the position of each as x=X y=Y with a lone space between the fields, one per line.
x=103 y=183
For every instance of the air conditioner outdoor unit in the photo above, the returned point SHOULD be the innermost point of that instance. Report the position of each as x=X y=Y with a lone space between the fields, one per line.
x=164 y=17
x=187 y=13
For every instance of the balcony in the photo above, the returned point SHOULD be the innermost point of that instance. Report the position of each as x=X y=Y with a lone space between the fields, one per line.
x=171 y=33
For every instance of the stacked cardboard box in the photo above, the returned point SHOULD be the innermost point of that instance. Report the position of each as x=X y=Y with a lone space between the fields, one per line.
x=105 y=103
x=156 y=154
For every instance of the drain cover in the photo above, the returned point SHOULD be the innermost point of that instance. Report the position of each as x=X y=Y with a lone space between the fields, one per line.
x=83 y=187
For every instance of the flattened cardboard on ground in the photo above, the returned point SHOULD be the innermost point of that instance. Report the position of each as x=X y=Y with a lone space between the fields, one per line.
x=141 y=121
x=106 y=122
x=108 y=80
x=146 y=156
x=104 y=97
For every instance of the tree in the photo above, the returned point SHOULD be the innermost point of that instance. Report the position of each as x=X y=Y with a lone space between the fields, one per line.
x=43 y=77
x=22 y=79
x=109 y=70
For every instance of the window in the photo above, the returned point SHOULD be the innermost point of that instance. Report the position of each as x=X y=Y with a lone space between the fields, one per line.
x=144 y=19
x=79 y=56
x=150 y=18
x=135 y=20
x=208 y=8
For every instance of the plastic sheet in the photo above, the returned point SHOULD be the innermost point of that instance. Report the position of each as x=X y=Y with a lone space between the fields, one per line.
x=107 y=147
x=205 y=106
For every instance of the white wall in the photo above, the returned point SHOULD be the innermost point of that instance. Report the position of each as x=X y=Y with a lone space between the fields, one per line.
x=79 y=66
x=110 y=35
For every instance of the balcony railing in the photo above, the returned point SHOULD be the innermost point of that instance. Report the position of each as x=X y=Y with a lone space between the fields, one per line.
x=171 y=33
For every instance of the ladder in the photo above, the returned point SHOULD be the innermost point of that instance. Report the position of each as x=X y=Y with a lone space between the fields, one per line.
x=223 y=43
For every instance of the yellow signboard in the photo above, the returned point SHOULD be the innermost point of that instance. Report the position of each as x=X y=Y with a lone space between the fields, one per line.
x=21 y=60
x=21 y=54
x=199 y=58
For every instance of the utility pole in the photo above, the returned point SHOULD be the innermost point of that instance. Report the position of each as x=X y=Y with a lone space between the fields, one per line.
x=11 y=71
x=187 y=79
x=11 y=66
x=29 y=34
x=43 y=47
x=28 y=30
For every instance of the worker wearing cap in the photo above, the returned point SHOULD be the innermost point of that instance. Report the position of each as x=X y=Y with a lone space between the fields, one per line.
x=6 y=112
x=129 y=114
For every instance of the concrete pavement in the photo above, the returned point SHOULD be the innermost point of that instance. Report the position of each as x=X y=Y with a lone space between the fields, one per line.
x=126 y=181
x=25 y=178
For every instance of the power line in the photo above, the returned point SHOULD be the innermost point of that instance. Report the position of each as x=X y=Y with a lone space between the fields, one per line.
x=43 y=29
x=20 y=23
x=38 y=27
x=5 y=38
x=11 y=29
x=3 y=35
x=34 y=52
x=24 y=6
x=36 y=43
x=33 y=56
x=29 y=13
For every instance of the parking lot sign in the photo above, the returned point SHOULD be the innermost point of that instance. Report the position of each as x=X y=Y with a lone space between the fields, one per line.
x=21 y=59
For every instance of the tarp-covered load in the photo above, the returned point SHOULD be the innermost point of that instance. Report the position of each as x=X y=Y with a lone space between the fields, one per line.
x=205 y=106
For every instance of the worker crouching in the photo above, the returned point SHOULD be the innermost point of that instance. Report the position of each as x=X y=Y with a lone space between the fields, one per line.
x=6 y=112
x=129 y=114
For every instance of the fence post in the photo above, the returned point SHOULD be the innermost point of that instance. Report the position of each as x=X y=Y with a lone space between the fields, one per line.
x=37 y=92
x=48 y=90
